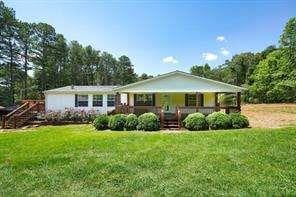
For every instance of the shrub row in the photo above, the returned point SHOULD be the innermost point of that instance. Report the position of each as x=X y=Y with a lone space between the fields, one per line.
x=120 y=122
x=216 y=120
x=68 y=115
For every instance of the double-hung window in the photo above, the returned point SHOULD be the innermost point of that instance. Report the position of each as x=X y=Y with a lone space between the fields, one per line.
x=97 y=100
x=110 y=100
x=82 y=100
x=191 y=100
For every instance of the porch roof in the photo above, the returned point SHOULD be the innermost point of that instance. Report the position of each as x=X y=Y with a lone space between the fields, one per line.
x=178 y=81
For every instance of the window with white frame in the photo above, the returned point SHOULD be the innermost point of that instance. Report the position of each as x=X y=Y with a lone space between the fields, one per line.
x=111 y=100
x=97 y=100
x=82 y=100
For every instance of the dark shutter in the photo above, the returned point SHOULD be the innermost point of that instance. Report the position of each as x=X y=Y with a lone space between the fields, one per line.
x=135 y=101
x=186 y=100
x=201 y=100
x=76 y=100
x=153 y=99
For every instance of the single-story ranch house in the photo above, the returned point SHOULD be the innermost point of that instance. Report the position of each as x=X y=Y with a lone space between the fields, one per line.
x=170 y=93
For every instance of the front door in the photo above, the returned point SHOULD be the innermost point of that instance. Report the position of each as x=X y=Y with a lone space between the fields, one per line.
x=166 y=103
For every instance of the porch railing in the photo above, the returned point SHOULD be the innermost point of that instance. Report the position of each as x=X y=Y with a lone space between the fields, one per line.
x=125 y=109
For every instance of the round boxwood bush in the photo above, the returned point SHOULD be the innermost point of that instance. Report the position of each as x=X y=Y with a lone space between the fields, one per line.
x=195 y=122
x=131 y=122
x=117 y=122
x=219 y=120
x=148 y=122
x=101 y=122
x=239 y=121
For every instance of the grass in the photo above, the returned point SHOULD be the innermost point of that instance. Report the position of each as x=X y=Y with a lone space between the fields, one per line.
x=75 y=159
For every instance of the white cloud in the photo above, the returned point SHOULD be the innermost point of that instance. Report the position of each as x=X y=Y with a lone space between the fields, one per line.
x=209 y=56
x=169 y=60
x=220 y=38
x=224 y=51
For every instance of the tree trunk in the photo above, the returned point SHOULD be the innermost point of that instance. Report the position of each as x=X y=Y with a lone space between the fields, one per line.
x=26 y=74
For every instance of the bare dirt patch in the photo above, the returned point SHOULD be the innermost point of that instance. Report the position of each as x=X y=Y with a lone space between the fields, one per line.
x=270 y=115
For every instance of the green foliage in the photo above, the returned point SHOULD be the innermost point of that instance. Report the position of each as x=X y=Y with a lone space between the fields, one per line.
x=195 y=122
x=202 y=71
x=219 y=120
x=117 y=122
x=274 y=80
x=148 y=122
x=238 y=121
x=101 y=122
x=131 y=122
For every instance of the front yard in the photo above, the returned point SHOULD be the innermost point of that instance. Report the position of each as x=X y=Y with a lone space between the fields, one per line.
x=76 y=159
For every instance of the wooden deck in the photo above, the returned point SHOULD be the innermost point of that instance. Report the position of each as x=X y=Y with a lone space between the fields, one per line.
x=23 y=114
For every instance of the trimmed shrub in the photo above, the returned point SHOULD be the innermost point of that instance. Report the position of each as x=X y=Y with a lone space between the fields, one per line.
x=101 y=122
x=195 y=122
x=117 y=122
x=131 y=122
x=148 y=122
x=239 y=121
x=219 y=120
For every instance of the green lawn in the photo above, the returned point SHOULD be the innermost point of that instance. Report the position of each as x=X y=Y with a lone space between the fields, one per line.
x=66 y=160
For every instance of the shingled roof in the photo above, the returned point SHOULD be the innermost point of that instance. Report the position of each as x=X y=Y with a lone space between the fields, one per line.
x=82 y=89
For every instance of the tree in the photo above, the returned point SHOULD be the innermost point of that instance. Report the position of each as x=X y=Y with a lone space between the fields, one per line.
x=288 y=41
x=76 y=60
x=25 y=37
x=202 y=71
x=91 y=62
x=106 y=69
x=125 y=71
x=144 y=76
x=60 y=62
x=43 y=59
x=9 y=50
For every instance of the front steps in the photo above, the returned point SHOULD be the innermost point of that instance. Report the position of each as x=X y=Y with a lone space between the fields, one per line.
x=170 y=122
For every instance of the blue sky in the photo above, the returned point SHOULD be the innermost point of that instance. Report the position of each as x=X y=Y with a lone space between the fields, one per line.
x=162 y=36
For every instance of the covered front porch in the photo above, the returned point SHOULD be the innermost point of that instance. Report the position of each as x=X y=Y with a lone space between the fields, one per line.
x=178 y=103
x=174 y=95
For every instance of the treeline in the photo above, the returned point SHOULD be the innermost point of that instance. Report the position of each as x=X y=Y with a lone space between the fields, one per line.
x=37 y=48
x=269 y=76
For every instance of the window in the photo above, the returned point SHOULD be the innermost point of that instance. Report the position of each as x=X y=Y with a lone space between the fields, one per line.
x=191 y=99
x=110 y=100
x=97 y=100
x=144 y=99
x=82 y=100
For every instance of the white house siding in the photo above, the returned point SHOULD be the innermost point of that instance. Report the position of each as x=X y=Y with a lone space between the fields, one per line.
x=59 y=102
